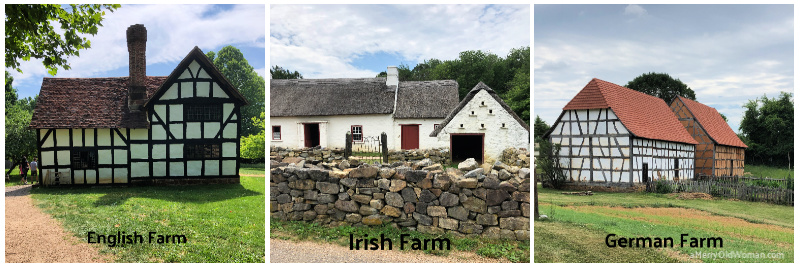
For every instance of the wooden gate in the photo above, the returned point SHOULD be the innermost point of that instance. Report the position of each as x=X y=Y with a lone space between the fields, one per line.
x=370 y=149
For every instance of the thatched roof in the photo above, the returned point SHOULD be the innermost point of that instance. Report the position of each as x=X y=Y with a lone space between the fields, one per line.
x=89 y=103
x=480 y=86
x=426 y=99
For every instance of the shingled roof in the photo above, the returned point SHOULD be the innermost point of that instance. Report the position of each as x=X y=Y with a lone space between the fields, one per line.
x=426 y=99
x=474 y=91
x=89 y=103
x=713 y=123
x=643 y=115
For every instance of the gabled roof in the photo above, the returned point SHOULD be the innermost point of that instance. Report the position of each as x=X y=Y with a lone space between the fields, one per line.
x=89 y=103
x=426 y=99
x=197 y=55
x=643 y=115
x=712 y=122
x=344 y=96
x=474 y=91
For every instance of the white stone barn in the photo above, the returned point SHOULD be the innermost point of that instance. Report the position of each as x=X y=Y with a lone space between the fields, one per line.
x=612 y=134
x=319 y=112
x=481 y=127
x=154 y=129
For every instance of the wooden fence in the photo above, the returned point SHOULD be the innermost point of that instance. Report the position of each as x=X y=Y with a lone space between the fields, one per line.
x=728 y=189
x=786 y=183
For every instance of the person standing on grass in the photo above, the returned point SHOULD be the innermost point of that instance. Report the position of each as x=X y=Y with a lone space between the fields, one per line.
x=34 y=170
x=23 y=170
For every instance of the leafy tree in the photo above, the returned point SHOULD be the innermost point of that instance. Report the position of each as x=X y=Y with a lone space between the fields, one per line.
x=724 y=117
x=548 y=163
x=539 y=128
x=768 y=130
x=29 y=33
x=661 y=85
x=518 y=97
x=253 y=145
x=11 y=93
x=20 y=140
x=232 y=64
x=276 y=72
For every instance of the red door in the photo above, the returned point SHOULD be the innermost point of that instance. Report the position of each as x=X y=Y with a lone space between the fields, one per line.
x=409 y=137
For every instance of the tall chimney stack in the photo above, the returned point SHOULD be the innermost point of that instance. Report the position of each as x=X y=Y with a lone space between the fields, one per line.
x=392 y=76
x=137 y=39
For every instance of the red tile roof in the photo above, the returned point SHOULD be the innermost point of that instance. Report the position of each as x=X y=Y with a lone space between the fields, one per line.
x=89 y=103
x=716 y=127
x=643 y=115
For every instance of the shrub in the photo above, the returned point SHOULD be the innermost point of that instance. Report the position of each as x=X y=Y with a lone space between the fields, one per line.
x=548 y=163
x=663 y=187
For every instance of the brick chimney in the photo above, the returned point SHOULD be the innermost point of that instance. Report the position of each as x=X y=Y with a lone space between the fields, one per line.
x=137 y=38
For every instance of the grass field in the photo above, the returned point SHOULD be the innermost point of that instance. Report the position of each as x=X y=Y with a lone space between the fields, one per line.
x=514 y=251
x=768 y=172
x=578 y=225
x=222 y=223
x=252 y=169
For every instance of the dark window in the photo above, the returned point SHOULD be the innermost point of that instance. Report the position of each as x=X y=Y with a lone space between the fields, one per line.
x=276 y=132
x=203 y=112
x=84 y=159
x=435 y=126
x=358 y=133
x=201 y=151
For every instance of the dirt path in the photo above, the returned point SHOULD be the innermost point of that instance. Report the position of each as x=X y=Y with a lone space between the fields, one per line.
x=282 y=251
x=33 y=236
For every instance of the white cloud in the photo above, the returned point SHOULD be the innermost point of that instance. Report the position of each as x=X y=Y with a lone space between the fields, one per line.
x=324 y=40
x=635 y=10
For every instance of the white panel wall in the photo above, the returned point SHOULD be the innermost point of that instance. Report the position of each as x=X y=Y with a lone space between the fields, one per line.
x=335 y=129
x=425 y=129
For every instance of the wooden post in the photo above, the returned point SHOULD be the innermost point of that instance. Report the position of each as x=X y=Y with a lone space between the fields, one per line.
x=384 y=148
x=348 y=145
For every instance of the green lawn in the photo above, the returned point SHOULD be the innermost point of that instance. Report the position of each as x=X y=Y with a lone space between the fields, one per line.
x=577 y=227
x=768 y=172
x=252 y=169
x=14 y=178
x=222 y=223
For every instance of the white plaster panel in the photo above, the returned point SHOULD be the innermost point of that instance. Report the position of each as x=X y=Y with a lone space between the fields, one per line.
x=202 y=74
x=139 y=151
x=210 y=129
x=103 y=157
x=120 y=157
x=176 y=168
x=187 y=90
x=218 y=92
x=104 y=174
x=227 y=109
x=138 y=134
x=611 y=114
x=176 y=112
x=140 y=169
x=63 y=157
x=117 y=139
x=185 y=75
x=171 y=93
x=79 y=177
x=230 y=131
x=62 y=137
x=195 y=67
x=103 y=137
x=48 y=158
x=159 y=151
x=159 y=169
x=193 y=130
x=159 y=133
x=194 y=167
x=229 y=167
x=212 y=167
x=176 y=130
x=229 y=149
x=90 y=137
x=91 y=176
x=120 y=175
x=203 y=89
x=77 y=138
x=161 y=110
x=176 y=151
x=48 y=143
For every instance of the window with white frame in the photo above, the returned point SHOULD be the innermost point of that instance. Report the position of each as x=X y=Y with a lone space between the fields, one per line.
x=358 y=132
x=276 y=132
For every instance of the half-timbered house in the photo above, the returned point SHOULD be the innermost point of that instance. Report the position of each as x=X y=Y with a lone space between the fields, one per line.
x=612 y=134
x=719 y=152
x=482 y=126
x=182 y=127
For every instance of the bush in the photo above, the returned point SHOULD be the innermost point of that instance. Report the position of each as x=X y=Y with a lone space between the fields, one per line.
x=548 y=163
x=663 y=187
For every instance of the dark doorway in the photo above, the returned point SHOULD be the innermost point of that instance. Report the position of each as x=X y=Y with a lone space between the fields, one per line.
x=409 y=137
x=311 y=134
x=463 y=146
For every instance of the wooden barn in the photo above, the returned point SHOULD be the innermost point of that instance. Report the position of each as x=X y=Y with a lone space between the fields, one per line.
x=719 y=152
x=612 y=134
x=155 y=129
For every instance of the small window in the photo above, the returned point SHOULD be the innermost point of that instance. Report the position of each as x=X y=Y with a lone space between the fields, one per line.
x=473 y=112
x=203 y=112
x=435 y=126
x=503 y=126
x=201 y=151
x=358 y=133
x=276 y=132
x=482 y=104
x=482 y=126
x=462 y=126
x=84 y=159
x=490 y=111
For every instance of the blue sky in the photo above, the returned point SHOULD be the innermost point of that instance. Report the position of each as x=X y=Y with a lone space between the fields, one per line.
x=172 y=31
x=728 y=54
x=339 y=41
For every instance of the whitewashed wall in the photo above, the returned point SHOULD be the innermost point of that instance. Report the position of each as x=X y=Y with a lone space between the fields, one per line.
x=425 y=129
x=112 y=161
x=332 y=129
x=501 y=130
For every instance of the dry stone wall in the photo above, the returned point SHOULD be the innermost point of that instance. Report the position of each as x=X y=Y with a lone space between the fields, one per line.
x=317 y=155
x=490 y=200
